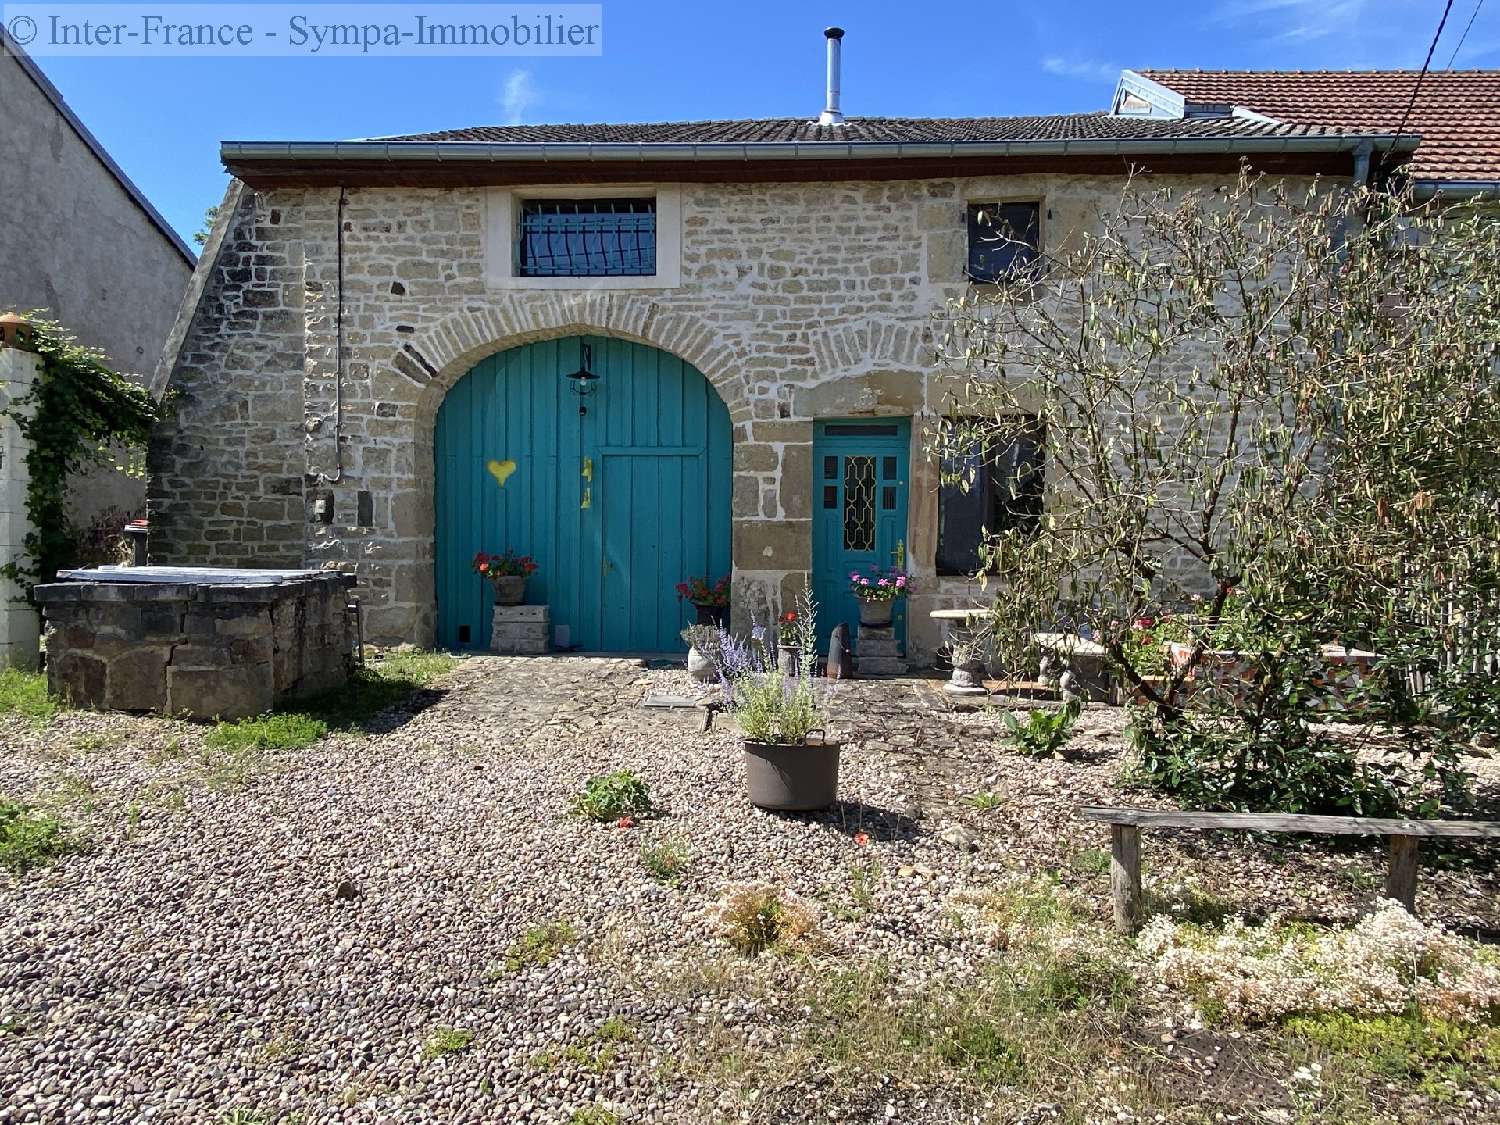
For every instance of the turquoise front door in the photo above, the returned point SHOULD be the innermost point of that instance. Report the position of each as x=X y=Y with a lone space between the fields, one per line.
x=618 y=494
x=860 y=470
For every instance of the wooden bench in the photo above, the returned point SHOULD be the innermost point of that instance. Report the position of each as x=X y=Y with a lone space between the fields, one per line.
x=1400 y=878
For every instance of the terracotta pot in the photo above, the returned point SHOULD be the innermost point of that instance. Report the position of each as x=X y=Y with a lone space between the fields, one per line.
x=509 y=589
x=792 y=777
x=712 y=615
x=876 y=613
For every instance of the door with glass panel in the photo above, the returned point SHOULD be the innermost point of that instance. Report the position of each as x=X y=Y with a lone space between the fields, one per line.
x=860 y=474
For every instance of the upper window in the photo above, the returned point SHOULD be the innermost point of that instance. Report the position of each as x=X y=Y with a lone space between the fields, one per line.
x=1003 y=239
x=1000 y=489
x=586 y=238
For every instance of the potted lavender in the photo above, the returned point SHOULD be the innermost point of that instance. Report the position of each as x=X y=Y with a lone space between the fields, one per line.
x=790 y=765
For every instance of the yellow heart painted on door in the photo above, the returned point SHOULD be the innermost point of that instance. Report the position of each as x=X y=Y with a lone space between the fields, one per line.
x=501 y=471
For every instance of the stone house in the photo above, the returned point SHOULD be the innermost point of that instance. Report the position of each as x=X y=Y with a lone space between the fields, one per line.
x=636 y=352
x=82 y=241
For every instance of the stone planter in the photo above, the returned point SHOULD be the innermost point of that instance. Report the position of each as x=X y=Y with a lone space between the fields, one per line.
x=509 y=589
x=700 y=667
x=792 y=777
x=876 y=614
x=967 y=677
x=714 y=616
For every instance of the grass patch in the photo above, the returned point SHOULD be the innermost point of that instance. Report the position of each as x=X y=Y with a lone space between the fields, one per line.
x=446 y=1041
x=29 y=838
x=539 y=945
x=593 y=1115
x=614 y=795
x=277 y=731
x=985 y=802
x=370 y=690
x=25 y=694
x=1442 y=1059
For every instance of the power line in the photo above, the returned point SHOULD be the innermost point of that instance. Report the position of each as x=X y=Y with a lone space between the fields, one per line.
x=1472 y=17
x=1417 y=85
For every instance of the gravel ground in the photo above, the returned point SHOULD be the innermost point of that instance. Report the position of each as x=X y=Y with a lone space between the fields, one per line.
x=284 y=936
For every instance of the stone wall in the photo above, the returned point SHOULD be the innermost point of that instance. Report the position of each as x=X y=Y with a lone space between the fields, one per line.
x=205 y=650
x=798 y=301
x=20 y=627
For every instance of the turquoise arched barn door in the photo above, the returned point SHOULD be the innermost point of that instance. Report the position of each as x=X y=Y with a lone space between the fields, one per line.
x=617 y=504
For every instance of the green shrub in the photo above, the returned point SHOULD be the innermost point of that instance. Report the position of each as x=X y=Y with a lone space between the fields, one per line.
x=613 y=795
x=25 y=693
x=29 y=839
x=290 y=730
x=1042 y=734
x=983 y=1049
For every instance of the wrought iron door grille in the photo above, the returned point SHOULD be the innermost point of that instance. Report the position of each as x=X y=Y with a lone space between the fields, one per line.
x=859 y=503
x=587 y=238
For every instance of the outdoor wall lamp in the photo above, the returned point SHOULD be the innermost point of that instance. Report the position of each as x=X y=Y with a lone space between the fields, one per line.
x=583 y=380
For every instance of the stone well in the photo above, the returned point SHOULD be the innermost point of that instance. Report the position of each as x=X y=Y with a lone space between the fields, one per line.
x=202 y=642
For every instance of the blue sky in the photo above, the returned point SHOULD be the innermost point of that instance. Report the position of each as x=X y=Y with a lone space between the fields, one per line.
x=162 y=119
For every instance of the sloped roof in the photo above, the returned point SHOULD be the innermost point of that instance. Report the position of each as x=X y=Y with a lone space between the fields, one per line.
x=1456 y=112
x=876 y=130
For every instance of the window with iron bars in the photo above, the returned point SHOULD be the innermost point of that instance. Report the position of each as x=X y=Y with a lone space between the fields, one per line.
x=586 y=238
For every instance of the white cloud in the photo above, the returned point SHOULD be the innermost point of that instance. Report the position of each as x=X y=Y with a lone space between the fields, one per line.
x=519 y=96
x=1089 y=69
x=1357 y=24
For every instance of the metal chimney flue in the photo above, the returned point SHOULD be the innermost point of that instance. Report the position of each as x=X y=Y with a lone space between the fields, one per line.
x=832 y=114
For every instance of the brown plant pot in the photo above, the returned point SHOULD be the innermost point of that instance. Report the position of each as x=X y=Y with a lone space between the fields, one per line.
x=509 y=589
x=712 y=615
x=876 y=614
x=792 y=777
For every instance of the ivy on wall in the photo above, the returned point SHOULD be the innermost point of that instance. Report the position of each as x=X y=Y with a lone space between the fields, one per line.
x=81 y=413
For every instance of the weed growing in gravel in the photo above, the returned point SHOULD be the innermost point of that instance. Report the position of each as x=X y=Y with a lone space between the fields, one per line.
x=277 y=731
x=1091 y=861
x=667 y=861
x=29 y=838
x=539 y=945
x=756 y=917
x=986 y=801
x=240 y=1115
x=446 y=1041
x=610 y=796
x=594 y=1115
x=25 y=694
x=1042 y=734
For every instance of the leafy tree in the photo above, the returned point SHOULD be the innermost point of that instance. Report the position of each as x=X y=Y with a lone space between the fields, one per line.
x=210 y=216
x=1273 y=412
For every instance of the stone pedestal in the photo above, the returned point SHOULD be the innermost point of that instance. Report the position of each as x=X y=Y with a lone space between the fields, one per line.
x=521 y=630
x=877 y=652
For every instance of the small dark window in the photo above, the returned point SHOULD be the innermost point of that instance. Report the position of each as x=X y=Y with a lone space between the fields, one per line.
x=830 y=496
x=1003 y=240
x=830 y=468
x=586 y=238
x=887 y=468
x=861 y=429
x=1004 y=493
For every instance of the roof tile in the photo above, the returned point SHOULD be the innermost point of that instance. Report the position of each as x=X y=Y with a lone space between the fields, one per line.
x=1457 y=112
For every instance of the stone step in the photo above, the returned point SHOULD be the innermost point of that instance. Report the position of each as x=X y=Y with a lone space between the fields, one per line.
x=879 y=666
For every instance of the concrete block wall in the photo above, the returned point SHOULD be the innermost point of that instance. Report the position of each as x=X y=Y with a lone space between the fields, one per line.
x=20 y=626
